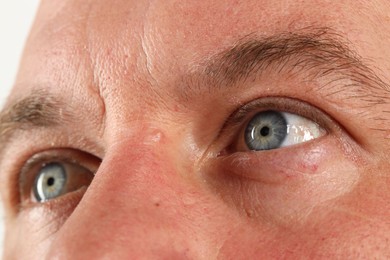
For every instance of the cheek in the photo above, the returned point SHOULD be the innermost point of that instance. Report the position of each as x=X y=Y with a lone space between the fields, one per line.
x=292 y=201
x=286 y=185
x=313 y=176
x=32 y=231
x=295 y=199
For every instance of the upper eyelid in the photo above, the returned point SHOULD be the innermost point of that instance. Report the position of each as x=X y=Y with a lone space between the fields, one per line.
x=62 y=154
x=40 y=159
x=284 y=104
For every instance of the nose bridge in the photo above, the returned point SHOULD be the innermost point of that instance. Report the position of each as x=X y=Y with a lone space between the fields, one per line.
x=142 y=163
x=143 y=167
x=135 y=201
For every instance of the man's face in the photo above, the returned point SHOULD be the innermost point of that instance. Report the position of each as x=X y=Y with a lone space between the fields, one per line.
x=200 y=130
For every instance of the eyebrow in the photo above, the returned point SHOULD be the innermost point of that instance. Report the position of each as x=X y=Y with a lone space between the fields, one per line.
x=39 y=109
x=318 y=52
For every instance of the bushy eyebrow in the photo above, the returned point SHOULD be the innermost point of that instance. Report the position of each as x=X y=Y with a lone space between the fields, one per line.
x=317 y=52
x=39 y=109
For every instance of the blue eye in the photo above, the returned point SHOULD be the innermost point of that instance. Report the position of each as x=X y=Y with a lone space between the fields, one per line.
x=266 y=131
x=272 y=129
x=55 y=179
x=50 y=182
x=51 y=174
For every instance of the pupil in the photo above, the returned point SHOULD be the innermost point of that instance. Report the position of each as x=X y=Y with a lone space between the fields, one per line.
x=264 y=131
x=50 y=181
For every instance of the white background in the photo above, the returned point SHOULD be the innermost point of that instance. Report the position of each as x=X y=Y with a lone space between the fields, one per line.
x=16 y=17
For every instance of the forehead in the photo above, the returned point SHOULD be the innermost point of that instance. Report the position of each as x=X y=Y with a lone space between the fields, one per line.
x=109 y=44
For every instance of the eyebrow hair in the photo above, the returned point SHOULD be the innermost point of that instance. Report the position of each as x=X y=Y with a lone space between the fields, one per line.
x=39 y=109
x=316 y=51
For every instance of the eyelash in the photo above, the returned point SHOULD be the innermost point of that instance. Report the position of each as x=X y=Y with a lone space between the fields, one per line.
x=28 y=172
x=232 y=126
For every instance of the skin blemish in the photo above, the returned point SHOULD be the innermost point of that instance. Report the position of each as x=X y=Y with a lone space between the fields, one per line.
x=157 y=137
x=156 y=202
x=153 y=136
x=309 y=166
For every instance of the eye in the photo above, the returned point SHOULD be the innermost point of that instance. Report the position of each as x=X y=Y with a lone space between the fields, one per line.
x=58 y=178
x=273 y=129
x=274 y=122
x=55 y=179
x=50 y=175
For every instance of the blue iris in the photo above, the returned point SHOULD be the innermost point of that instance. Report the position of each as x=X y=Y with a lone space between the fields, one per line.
x=50 y=182
x=266 y=130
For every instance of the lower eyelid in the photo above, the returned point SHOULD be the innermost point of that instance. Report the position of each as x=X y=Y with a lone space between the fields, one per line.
x=277 y=165
x=270 y=183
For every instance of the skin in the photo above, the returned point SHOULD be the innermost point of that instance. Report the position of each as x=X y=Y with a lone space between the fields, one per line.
x=165 y=184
